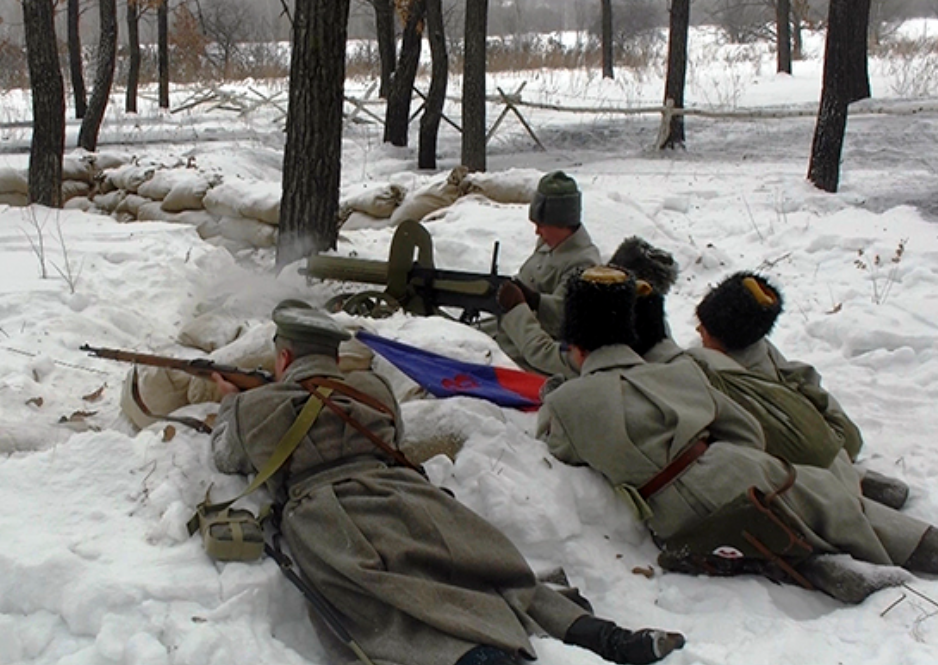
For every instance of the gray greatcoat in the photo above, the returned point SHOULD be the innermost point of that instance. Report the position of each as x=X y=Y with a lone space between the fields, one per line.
x=627 y=419
x=763 y=358
x=417 y=578
x=545 y=271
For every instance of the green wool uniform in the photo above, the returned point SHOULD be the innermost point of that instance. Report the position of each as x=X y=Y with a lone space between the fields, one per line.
x=628 y=419
x=763 y=358
x=417 y=578
x=526 y=335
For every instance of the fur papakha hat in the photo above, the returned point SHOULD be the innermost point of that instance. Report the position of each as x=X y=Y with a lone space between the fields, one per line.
x=557 y=201
x=740 y=310
x=598 y=308
x=299 y=322
x=646 y=262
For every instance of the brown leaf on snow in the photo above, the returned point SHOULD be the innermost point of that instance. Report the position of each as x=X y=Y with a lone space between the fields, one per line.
x=35 y=400
x=96 y=395
x=648 y=571
x=77 y=417
x=168 y=433
x=839 y=306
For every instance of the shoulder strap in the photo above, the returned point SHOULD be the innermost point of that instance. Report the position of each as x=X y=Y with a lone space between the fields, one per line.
x=285 y=447
x=319 y=385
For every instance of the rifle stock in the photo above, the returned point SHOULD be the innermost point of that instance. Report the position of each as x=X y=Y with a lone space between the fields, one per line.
x=245 y=379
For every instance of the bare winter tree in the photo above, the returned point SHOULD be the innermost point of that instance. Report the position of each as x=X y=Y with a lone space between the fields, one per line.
x=607 y=39
x=76 y=66
x=673 y=135
x=103 y=78
x=48 y=93
x=397 y=115
x=783 y=35
x=846 y=80
x=387 y=48
x=312 y=156
x=436 y=97
x=162 y=47
x=473 y=86
x=134 y=8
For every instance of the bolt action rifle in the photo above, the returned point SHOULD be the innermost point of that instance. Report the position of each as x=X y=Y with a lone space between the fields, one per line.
x=413 y=284
x=203 y=368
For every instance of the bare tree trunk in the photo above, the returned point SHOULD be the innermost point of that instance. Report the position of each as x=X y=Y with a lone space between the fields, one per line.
x=783 y=35
x=473 y=85
x=607 y=40
x=677 y=72
x=133 y=45
x=162 y=41
x=48 y=93
x=436 y=97
x=103 y=78
x=846 y=80
x=75 y=59
x=397 y=116
x=312 y=158
x=387 y=49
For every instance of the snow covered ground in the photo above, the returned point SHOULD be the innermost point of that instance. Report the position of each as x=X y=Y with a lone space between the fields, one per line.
x=96 y=567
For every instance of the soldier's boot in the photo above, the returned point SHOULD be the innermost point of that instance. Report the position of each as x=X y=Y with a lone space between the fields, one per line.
x=620 y=645
x=882 y=489
x=924 y=557
x=845 y=579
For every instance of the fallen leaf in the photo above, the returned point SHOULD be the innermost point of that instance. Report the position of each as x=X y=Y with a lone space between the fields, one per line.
x=95 y=396
x=35 y=400
x=648 y=572
x=77 y=417
x=168 y=433
x=839 y=306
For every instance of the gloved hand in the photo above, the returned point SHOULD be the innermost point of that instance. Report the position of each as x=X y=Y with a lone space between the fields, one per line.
x=532 y=297
x=620 y=645
x=509 y=296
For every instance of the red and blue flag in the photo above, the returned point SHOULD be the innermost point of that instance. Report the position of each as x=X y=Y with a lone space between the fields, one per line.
x=448 y=377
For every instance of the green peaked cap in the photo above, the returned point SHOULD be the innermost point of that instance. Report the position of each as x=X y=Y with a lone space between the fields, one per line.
x=298 y=321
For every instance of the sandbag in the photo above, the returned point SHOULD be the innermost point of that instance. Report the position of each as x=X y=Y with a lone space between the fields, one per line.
x=186 y=195
x=79 y=168
x=109 y=202
x=248 y=231
x=14 y=199
x=511 y=186
x=210 y=331
x=163 y=181
x=73 y=188
x=128 y=177
x=13 y=181
x=380 y=202
x=162 y=391
x=430 y=198
x=131 y=204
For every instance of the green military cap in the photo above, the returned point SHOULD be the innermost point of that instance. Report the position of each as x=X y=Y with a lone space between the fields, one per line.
x=299 y=322
x=556 y=201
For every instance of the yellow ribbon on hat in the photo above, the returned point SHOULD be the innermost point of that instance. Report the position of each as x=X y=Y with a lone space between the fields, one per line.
x=763 y=295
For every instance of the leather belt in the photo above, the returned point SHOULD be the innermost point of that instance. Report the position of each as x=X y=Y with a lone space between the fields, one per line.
x=673 y=469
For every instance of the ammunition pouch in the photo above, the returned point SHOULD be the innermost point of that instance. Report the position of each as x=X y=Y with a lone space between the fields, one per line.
x=748 y=535
x=230 y=534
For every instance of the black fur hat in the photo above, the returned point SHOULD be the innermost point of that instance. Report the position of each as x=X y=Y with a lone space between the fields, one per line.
x=598 y=308
x=650 y=326
x=740 y=310
x=647 y=263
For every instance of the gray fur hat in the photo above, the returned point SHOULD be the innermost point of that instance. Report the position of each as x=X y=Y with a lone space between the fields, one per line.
x=740 y=310
x=646 y=262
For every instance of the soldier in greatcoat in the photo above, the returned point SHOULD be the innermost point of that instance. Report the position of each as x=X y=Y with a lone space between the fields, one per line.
x=677 y=450
x=533 y=300
x=416 y=577
x=735 y=318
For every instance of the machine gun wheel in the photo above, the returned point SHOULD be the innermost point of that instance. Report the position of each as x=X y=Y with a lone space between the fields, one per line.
x=373 y=304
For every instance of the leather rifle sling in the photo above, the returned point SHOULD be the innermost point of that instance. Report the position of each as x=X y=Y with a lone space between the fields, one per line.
x=673 y=469
x=313 y=386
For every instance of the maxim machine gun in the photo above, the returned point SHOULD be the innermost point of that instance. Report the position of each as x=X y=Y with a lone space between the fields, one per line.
x=413 y=284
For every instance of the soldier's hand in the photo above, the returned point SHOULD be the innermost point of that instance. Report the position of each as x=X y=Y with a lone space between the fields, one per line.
x=226 y=387
x=509 y=296
x=532 y=297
